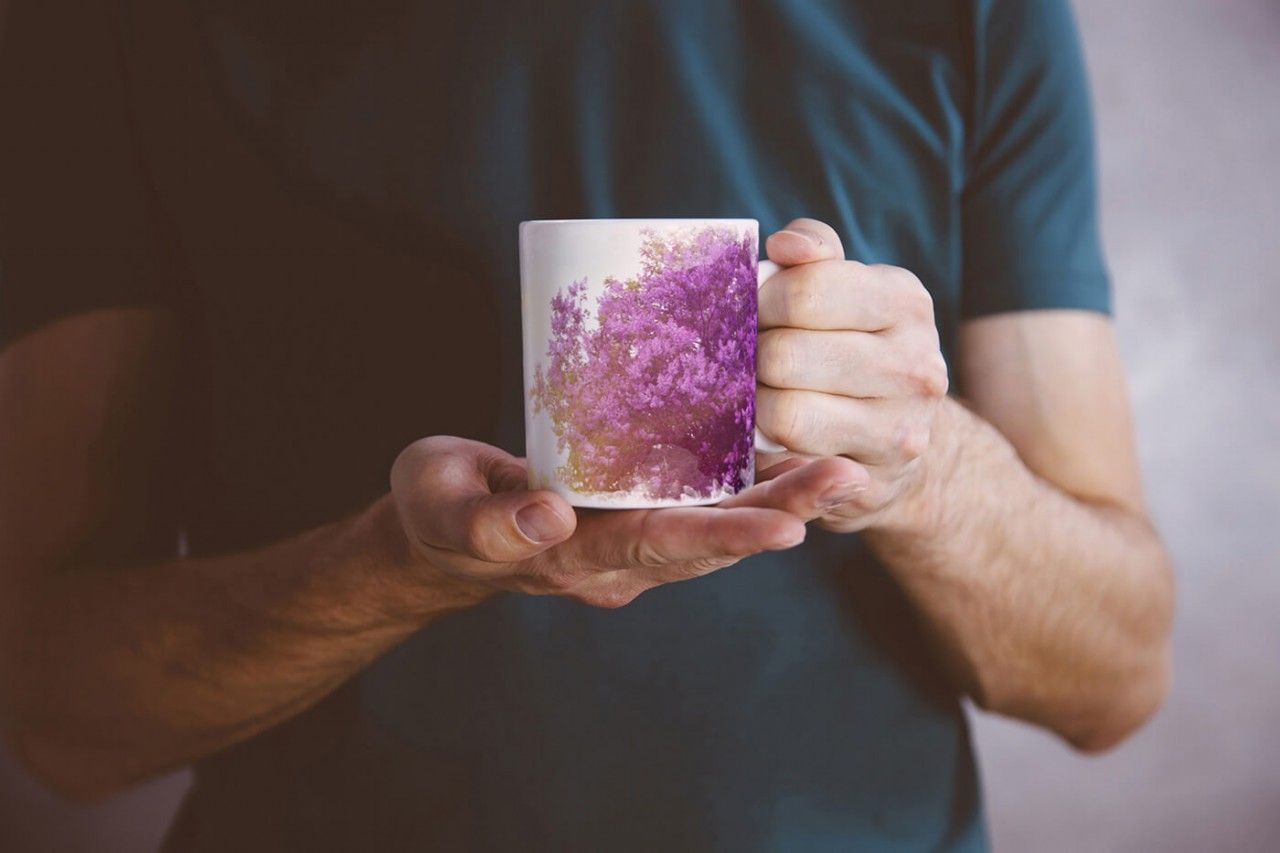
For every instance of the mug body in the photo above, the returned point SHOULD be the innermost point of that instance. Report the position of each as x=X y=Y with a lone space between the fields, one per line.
x=639 y=359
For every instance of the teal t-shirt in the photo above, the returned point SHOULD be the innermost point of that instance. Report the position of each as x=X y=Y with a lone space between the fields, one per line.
x=329 y=192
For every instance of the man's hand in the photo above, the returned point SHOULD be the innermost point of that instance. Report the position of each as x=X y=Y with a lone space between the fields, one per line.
x=1033 y=522
x=467 y=512
x=849 y=365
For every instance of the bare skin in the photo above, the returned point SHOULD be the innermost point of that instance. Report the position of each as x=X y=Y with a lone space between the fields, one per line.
x=1016 y=528
x=1015 y=525
x=111 y=674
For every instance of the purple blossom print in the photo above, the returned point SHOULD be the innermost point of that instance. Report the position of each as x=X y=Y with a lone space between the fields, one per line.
x=656 y=397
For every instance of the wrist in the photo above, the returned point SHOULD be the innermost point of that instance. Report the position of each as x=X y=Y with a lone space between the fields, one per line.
x=411 y=586
x=920 y=509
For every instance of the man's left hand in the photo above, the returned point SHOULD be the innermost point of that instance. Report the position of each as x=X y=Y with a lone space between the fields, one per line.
x=849 y=365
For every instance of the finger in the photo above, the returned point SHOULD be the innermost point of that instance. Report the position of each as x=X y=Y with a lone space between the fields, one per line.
x=886 y=484
x=852 y=364
x=873 y=432
x=785 y=462
x=621 y=586
x=649 y=539
x=446 y=499
x=807 y=491
x=804 y=241
x=723 y=541
x=509 y=475
x=679 y=544
x=842 y=295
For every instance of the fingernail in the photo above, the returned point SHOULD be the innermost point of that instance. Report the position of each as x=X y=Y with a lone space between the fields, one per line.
x=838 y=494
x=812 y=237
x=539 y=522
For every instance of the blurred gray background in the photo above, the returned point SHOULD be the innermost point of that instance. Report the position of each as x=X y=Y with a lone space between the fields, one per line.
x=1188 y=108
x=1187 y=96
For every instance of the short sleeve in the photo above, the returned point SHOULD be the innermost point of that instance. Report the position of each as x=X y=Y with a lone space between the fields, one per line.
x=75 y=233
x=1029 y=204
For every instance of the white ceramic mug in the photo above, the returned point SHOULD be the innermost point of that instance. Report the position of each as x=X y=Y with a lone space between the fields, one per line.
x=639 y=359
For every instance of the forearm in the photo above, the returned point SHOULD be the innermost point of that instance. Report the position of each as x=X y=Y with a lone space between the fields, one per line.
x=113 y=674
x=1045 y=607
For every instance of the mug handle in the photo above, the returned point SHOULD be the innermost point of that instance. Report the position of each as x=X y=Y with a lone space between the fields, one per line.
x=763 y=443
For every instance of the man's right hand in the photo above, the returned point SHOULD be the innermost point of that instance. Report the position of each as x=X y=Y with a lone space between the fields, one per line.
x=468 y=515
x=186 y=656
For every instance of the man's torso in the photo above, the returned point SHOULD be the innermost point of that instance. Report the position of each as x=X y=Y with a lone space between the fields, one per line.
x=337 y=190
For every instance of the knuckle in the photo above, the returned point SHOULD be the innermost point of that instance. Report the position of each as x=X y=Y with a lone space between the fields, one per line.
x=417 y=449
x=912 y=441
x=905 y=278
x=432 y=443
x=916 y=299
x=927 y=376
x=644 y=554
x=913 y=284
x=419 y=452
x=920 y=300
x=406 y=467
x=941 y=376
x=477 y=537
x=923 y=301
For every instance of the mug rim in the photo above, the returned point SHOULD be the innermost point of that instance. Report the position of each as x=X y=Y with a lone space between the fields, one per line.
x=634 y=219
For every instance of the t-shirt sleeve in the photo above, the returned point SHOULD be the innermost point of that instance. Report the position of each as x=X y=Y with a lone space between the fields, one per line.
x=1029 y=204
x=75 y=232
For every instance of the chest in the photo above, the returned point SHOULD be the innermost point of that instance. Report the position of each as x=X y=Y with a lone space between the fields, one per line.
x=412 y=116
x=340 y=190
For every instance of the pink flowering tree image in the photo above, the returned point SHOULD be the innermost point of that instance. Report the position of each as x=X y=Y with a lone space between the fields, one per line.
x=657 y=396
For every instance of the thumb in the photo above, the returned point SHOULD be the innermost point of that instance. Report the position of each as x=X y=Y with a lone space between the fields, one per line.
x=456 y=495
x=804 y=241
